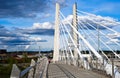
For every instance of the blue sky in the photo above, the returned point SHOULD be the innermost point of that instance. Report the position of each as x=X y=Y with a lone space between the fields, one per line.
x=32 y=21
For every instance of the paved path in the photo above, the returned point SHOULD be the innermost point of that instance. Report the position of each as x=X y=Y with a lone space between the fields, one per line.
x=55 y=72
x=66 y=71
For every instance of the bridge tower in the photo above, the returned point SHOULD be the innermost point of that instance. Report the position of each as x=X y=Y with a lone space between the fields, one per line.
x=56 y=35
x=75 y=36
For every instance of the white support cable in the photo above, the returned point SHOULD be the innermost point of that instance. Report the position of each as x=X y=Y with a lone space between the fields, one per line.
x=109 y=67
x=65 y=51
x=65 y=47
x=73 y=42
x=64 y=56
x=80 y=45
x=90 y=14
x=87 y=34
x=105 y=35
x=96 y=45
x=110 y=49
x=92 y=49
x=86 y=46
x=79 y=53
x=111 y=38
x=68 y=43
x=108 y=46
x=83 y=33
x=105 y=44
x=98 y=23
x=61 y=51
x=95 y=42
x=69 y=48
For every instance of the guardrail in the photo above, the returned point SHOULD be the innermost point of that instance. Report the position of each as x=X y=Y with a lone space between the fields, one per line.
x=106 y=68
x=36 y=70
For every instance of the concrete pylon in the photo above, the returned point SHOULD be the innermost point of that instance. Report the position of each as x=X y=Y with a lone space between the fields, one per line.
x=75 y=36
x=56 y=35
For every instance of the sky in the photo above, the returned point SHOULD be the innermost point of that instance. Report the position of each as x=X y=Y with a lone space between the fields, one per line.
x=29 y=24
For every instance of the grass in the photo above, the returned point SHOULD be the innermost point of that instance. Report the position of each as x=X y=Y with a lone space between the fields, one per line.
x=5 y=71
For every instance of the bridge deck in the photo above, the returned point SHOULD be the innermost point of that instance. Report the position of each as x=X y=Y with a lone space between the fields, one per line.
x=66 y=71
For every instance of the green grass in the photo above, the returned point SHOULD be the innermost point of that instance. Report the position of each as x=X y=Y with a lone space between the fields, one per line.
x=5 y=71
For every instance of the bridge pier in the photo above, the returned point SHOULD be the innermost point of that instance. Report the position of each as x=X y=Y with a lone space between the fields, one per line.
x=56 y=35
x=75 y=36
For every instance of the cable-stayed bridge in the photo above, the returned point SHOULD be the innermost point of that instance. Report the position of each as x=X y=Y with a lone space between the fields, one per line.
x=80 y=42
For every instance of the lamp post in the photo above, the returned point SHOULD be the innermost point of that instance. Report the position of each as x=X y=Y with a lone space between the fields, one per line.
x=112 y=60
x=39 y=51
x=98 y=37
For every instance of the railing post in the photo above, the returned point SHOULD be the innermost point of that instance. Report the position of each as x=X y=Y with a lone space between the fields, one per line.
x=45 y=69
x=112 y=60
x=38 y=67
x=15 y=73
x=31 y=72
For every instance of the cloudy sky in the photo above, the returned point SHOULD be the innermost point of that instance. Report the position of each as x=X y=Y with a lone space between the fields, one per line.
x=28 y=24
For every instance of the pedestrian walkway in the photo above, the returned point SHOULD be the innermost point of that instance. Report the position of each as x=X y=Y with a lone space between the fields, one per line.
x=55 y=72
x=67 y=71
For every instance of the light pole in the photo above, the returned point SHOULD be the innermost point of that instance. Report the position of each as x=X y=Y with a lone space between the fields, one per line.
x=39 y=51
x=98 y=38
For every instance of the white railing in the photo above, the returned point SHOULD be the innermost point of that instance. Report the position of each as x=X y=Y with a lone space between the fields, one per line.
x=36 y=70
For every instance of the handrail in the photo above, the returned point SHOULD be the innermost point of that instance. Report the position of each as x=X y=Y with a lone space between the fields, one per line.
x=25 y=71
x=42 y=61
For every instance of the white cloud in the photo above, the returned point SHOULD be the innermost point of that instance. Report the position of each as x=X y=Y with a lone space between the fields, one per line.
x=114 y=35
x=107 y=21
x=47 y=15
x=91 y=18
x=35 y=38
x=45 y=25
x=60 y=1
x=40 y=16
x=68 y=18
x=113 y=40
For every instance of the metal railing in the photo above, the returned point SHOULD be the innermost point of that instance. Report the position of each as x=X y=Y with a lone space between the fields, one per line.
x=42 y=63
